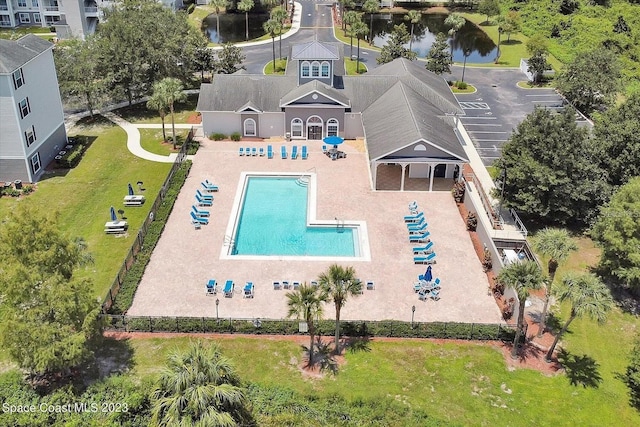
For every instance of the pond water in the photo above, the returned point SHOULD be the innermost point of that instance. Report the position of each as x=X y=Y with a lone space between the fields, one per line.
x=232 y=27
x=470 y=38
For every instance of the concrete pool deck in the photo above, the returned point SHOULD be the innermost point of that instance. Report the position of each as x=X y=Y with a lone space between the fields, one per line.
x=186 y=258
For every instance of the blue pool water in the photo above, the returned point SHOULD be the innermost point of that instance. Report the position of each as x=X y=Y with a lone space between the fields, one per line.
x=273 y=221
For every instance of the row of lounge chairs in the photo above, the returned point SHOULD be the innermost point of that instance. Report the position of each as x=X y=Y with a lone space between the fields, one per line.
x=200 y=217
x=418 y=233
x=212 y=288
x=294 y=152
x=288 y=284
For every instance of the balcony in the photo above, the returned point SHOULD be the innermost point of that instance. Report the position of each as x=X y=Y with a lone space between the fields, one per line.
x=52 y=8
x=91 y=12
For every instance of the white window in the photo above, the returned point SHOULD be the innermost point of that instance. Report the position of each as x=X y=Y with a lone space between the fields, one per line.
x=325 y=69
x=296 y=128
x=22 y=3
x=30 y=135
x=34 y=3
x=36 y=18
x=305 y=69
x=315 y=69
x=35 y=163
x=24 y=107
x=25 y=18
x=18 y=78
x=419 y=147
x=5 y=21
x=249 y=127
x=332 y=127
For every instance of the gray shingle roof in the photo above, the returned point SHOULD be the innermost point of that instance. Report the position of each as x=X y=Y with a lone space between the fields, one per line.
x=317 y=86
x=230 y=92
x=401 y=117
x=14 y=54
x=315 y=50
x=431 y=86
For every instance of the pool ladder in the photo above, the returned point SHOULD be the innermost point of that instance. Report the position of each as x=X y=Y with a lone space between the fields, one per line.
x=303 y=181
x=229 y=241
x=339 y=225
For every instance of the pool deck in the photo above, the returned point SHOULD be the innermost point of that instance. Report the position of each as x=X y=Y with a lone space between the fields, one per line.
x=186 y=258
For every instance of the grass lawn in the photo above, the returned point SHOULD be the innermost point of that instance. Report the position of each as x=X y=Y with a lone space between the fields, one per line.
x=350 y=66
x=510 y=51
x=281 y=66
x=459 y=384
x=469 y=89
x=84 y=194
x=526 y=84
x=151 y=140
x=139 y=113
x=200 y=13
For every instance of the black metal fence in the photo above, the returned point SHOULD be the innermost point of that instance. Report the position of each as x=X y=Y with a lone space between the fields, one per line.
x=137 y=243
x=256 y=326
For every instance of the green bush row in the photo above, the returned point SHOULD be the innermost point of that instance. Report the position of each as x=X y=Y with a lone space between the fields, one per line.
x=73 y=155
x=235 y=136
x=217 y=136
x=124 y=298
x=386 y=328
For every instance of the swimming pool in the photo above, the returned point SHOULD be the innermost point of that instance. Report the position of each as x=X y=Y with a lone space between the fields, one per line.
x=273 y=220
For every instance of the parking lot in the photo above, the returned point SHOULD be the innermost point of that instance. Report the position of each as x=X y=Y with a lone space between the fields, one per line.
x=498 y=106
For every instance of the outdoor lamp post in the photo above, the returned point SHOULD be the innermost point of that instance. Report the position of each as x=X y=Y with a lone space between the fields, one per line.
x=217 y=304
x=413 y=312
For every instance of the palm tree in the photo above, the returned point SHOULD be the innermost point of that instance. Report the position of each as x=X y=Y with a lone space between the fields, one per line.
x=156 y=103
x=306 y=303
x=245 y=6
x=280 y=15
x=339 y=283
x=359 y=28
x=170 y=89
x=344 y=4
x=522 y=277
x=350 y=18
x=218 y=4
x=271 y=27
x=587 y=295
x=371 y=7
x=454 y=21
x=556 y=245
x=199 y=387
x=414 y=17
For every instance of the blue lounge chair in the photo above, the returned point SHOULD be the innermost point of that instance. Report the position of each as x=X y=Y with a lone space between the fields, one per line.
x=434 y=294
x=305 y=153
x=247 y=151
x=211 y=287
x=261 y=151
x=426 y=249
x=197 y=220
x=294 y=152
x=254 y=151
x=277 y=285
x=203 y=202
x=414 y=218
x=371 y=285
x=286 y=284
x=296 y=285
x=418 y=229
x=324 y=148
x=429 y=259
x=420 y=238
x=269 y=152
x=248 y=290
x=417 y=223
x=200 y=213
x=228 y=289
x=210 y=186
x=241 y=151
x=204 y=196
x=436 y=283
x=283 y=152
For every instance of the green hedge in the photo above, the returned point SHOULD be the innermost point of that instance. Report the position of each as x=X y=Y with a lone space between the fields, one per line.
x=385 y=328
x=73 y=156
x=124 y=298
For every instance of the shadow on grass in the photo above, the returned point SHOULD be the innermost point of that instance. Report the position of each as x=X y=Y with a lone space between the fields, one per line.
x=581 y=370
x=510 y=42
x=357 y=344
x=323 y=357
x=55 y=168
x=139 y=111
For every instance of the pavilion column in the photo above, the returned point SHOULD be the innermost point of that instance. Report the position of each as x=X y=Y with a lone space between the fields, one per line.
x=404 y=166
x=375 y=175
x=431 y=173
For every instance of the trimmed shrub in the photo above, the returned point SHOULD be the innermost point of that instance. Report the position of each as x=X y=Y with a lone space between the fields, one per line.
x=461 y=85
x=217 y=136
x=235 y=136
x=28 y=189
x=472 y=221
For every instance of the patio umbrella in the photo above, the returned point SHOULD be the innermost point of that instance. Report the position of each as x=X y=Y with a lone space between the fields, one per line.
x=114 y=218
x=428 y=276
x=130 y=190
x=333 y=140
